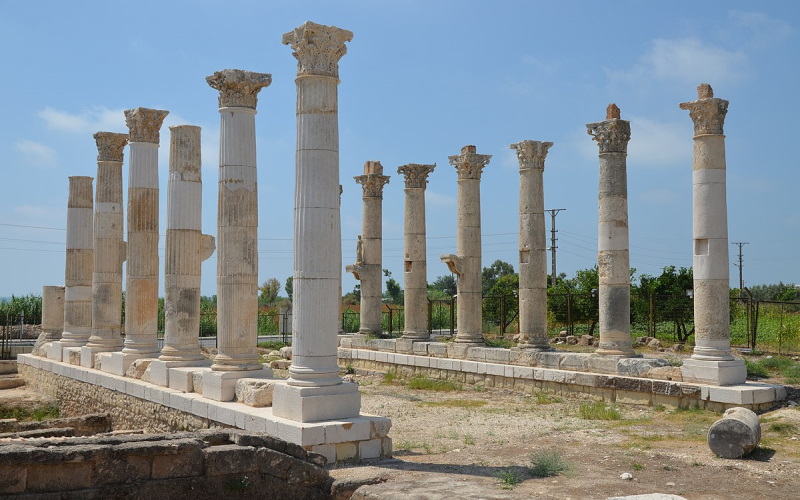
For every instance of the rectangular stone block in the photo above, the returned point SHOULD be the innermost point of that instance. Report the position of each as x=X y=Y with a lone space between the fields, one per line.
x=720 y=373
x=326 y=450
x=523 y=372
x=182 y=378
x=64 y=476
x=405 y=346
x=475 y=353
x=300 y=433
x=602 y=364
x=438 y=349
x=422 y=361
x=353 y=429
x=469 y=366
x=12 y=478
x=636 y=398
x=497 y=355
x=574 y=361
x=359 y=342
x=345 y=341
x=370 y=449
x=420 y=348
x=346 y=451
x=187 y=462
x=54 y=351
x=230 y=459
x=495 y=369
x=118 y=363
x=315 y=404
x=221 y=386
x=548 y=359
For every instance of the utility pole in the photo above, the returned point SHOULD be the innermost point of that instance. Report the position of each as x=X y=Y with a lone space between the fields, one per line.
x=739 y=265
x=553 y=213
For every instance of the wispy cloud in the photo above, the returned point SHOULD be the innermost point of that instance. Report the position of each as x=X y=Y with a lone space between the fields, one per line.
x=758 y=29
x=90 y=121
x=37 y=154
x=659 y=144
x=438 y=199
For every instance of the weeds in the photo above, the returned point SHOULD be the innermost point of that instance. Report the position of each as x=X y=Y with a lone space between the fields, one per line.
x=599 y=411
x=509 y=478
x=755 y=369
x=390 y=377
x=637 y=466
x=273 y=345
x=429 y=384
x=783 y=428
x=38 y=414
x=469 y=440
x=547 y=463
x=542 y=398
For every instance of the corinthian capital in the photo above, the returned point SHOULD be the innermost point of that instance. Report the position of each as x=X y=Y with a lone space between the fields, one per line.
x=110 y=145
x=531 y=154
x=707 y=112
x=318 y=48
x=469 y=164
x=144 y=124
x=238 y=88
x=613 y=134
x=416 y=175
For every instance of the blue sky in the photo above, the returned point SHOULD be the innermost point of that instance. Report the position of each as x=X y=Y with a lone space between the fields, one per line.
x=420 y=80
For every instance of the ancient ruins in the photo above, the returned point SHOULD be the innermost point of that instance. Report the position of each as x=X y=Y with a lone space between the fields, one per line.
x=315 y=409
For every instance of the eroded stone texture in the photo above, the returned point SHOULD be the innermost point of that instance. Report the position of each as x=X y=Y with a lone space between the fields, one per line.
x=141 y=271
x=52 y=318
x=237 y=221
x=79 y=263
x=369 y=263
x=109 y=247
x=712 y=352
x=613 y=259
x=415 y=276
x=466 y=263
x=186 y=247
x=532 y=245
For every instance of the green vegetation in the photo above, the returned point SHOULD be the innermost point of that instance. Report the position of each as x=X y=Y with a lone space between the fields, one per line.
x=456 y=403
x=47 y=412
x=509 y=478
x=774 y=366
x=547 y=463
x=389 y=377
x=273 y=345
x=429 y=384
x=542 y=398
x=599 y=411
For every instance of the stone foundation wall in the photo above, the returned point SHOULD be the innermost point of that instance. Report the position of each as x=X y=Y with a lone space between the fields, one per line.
x=205 y=465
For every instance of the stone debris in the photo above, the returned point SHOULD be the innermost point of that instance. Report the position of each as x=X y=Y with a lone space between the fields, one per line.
x=736 y=434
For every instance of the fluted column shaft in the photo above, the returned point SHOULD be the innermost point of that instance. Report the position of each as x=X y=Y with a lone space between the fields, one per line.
x=53 y=311
x=109 y=248
x=532 y=246
x=79 y=264
x=415 y=276
x=141 y=271
x=186 y=247
x=613 y=259
x=237 y=222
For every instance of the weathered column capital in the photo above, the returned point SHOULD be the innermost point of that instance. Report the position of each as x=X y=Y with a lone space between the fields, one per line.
x=469 y=164
x=416 y=175
x=531 y=154
x=318 y=48
x=110 y=145
x=707 y=112
x=238 y=88
x=613 y=134
x=373 y=180
x=144 y=124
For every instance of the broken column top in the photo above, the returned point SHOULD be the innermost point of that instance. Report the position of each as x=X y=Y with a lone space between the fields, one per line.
x=704 y=91
x=612 y=111
x=144 y=124
x=110 y=145
x=238 y=88
x=373 y=179
x=318 y=48
x=80 y=192
x=373 y=167
x=707 y=112
x=613 y=134
x=469 y=164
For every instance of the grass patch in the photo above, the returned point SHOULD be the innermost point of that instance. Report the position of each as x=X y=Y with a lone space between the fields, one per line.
x=456 y=403
x=792 y=375
x=673 y=360
x=47 y=412
x=598 y=410
x=755 y=369
x=390 y=377
x=509 y=478
x=542 y=398
x=499 y=342
x=637 y=466
x=469 y=440
x=273 y=345
x=777 y=363
x=783 y=428
x=547 y=463
x=429 y=384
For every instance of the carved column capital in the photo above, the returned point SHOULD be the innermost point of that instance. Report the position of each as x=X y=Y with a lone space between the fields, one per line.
x=372 y=184
x=144 y=124
x=416 y=175
x=531 y=154
x=613 y=134
x=110 y=146
x=469 y=164
x=318 y=48
x=707 y=112
x=238 y=88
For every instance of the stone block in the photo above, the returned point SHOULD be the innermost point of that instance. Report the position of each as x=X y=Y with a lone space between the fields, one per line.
x=548 y=359
x=88 y=355
x=438 y=349
x=420 y=348
x=602 y=364
x=720 y=373
x=197 y=381
x=359 y=341
x=187 y=462
x=254 y=392
x=54 y=351
x=12 y=478
x=64 y=476
x=380 y=426
x=346 y=451
x=405 y=346
x=221 y=386
x=495 y=369
x=118 y=363
x=182 y=378
x=299 y=433
x=638 y=367
x=345 y=341
x=230 y=459
x=476 y=354
x=72 y=355
x=354 y=429
x=575 y=361
x=458 y=351
x=387 y=447
x=422 y=361
x=326 y=450
x=370 y=449
x=497 y=355
x=470 y=366
x=314 y=404
x=632 y=397
x=523 y=372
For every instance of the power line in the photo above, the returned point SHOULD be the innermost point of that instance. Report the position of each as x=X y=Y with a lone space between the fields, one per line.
x=739 y=265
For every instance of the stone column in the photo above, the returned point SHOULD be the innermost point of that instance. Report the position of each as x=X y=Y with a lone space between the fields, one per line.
x=186 y=247
x=109 y=249
x=314 y=390
x=466 y=263
x=52 y=320
x=79 y=265
x=532 y=246
x=141 y=270
x=415 y=276
x=369 y=253
x=712 y=361
x=237 y=222
x=613 y=259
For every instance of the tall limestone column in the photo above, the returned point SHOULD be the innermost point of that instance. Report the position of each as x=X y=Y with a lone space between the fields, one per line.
x=613 y=258
x=109 y=249
x=237 y=226
x=368 y=268
x=415 y=277
x=79 y=265
x=141 y=270
x=314 y=390
x=532 y=246
x=712 y=361
x=186 y=247
x=466 y=263
x=52 y=320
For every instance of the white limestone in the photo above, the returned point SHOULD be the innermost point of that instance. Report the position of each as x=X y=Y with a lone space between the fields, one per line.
x=532 y=245
x=369 y=262
x=317 y=234
x=79 y=264
x=466 y=263
x=711 y=361
x=415 y=275
x=237 y=222
x=53 y=311
x=613 y=257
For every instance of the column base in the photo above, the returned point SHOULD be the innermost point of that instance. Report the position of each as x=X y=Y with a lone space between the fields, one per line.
x=472 y=339
x=315 y=404
x=54 y=350
x=221 y=386
x=160 y=370
x=417 y=336
x=118 y=363
x=607 y=351
x=534 y=347
x=71 y=355
x=88 y=355
x=714 y=372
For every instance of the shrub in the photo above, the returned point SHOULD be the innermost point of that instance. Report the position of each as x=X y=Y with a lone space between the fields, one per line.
x=599 y=411
x=547 y=463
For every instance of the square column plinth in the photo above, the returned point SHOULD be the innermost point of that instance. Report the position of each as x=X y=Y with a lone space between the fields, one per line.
x=714 y=372
x=221 y=385
x=160 y=371
x=316 y=404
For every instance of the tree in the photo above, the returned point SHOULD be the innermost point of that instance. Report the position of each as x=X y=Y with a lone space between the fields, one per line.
x=268 y=292
x=394 y=293
x=353 y=298
x=491 y=274
x=668 y=296
x=289 y=287
x=501 y=305
x=445 y=284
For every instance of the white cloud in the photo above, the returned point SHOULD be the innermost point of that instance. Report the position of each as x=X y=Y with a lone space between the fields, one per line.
x=659 y=144
x=37 y=154
x=438 y=199
x=97 y=118
x=687 y=61
x=761 y=29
